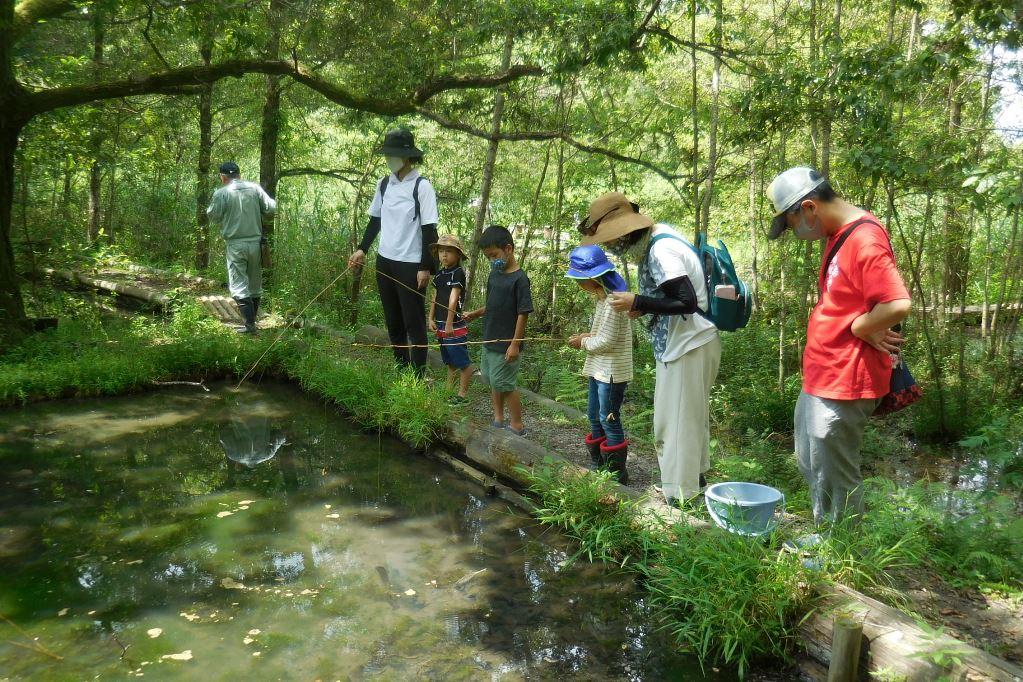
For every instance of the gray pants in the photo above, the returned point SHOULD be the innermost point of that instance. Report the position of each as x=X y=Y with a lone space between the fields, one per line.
x=244 y=268
x=828 y=438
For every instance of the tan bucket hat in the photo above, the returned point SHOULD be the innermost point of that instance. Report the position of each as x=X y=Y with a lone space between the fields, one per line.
x=611 y=216
x=450 y=241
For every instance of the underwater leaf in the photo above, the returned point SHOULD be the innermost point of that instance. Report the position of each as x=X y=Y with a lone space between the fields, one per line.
x=185 y=655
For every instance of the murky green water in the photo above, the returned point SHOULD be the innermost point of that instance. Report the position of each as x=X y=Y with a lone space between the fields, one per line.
x=253 y=534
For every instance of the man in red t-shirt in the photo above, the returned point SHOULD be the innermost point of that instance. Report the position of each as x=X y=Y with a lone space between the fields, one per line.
x=847 y=362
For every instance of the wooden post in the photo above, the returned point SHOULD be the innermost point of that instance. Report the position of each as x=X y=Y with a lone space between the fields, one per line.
x=845 y=649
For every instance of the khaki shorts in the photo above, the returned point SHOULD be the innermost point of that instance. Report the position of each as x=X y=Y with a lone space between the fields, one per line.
x=501 y=375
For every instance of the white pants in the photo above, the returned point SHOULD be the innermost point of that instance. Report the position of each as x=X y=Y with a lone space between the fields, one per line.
x=244 y=268
x=682 y=418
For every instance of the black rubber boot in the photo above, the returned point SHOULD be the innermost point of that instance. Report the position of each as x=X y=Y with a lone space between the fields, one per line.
x=616 y=456
x=255 y=307
x=593 y=446
x=246 y=308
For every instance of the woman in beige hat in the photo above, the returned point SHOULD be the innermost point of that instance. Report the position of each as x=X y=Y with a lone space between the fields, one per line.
x=686 y=344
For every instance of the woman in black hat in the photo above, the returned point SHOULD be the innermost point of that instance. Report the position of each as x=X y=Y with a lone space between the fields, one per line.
x=404 y=214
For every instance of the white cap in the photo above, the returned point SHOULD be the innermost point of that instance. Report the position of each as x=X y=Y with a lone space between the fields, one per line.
x=786 y=189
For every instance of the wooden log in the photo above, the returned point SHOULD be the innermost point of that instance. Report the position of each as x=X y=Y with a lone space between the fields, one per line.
x=205 y=281
x=896 y=645
x=847 y=635
x=226 y=308
x=155 y=298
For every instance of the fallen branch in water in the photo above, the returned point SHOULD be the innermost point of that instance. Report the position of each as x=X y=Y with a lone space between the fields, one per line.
x=33 y=645
x=197 y=384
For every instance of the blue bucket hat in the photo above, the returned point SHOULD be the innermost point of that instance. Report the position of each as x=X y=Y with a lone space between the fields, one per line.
x=590 y=262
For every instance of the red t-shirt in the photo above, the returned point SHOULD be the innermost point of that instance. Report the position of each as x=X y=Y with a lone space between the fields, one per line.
x=836 y=364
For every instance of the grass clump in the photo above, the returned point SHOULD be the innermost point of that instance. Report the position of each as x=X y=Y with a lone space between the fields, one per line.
x=727 y=598
x=371 y=390
x=88 y=357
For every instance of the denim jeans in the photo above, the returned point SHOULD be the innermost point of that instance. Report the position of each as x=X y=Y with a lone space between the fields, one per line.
x=604 y=409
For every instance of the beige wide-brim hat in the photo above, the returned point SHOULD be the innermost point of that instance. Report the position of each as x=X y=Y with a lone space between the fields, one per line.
x=450 y=241
x=611 y=216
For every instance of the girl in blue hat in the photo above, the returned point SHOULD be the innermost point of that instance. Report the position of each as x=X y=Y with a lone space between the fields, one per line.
x=608 y=365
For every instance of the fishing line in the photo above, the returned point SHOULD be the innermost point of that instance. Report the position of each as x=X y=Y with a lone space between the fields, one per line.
x=548 y=339
x=288 y=326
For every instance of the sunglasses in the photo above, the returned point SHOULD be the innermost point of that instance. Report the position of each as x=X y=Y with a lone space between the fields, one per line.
x=589 y=228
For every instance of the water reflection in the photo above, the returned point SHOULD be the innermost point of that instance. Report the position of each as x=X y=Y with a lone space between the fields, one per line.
x=250 y=440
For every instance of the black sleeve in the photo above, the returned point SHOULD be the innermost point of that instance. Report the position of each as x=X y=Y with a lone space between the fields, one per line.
x=679 y=299
x=429 y=237
x=370 y=235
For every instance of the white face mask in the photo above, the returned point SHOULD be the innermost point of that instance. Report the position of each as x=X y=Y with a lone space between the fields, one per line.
x=394 y=163
x=804 y=230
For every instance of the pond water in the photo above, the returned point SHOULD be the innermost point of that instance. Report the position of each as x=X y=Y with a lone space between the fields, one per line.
x=253 y=534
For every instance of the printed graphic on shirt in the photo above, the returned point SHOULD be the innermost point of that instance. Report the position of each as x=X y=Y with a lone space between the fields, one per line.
x=831 y=274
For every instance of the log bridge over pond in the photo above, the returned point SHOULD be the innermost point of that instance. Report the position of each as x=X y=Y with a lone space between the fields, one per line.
x=890 y=644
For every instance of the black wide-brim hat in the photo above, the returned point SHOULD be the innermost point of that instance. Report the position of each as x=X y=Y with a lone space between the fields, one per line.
x=400 y=142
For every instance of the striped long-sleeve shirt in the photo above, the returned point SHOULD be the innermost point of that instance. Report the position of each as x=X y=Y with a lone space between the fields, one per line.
x=609 y=348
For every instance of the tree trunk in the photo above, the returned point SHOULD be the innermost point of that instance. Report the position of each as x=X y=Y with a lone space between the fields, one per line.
x=488 y=176
x=987 y=275
x=271 y=126
x=13 y=324
x=96 y=141
x=112 y=194
x=955 y=229
x=535 y=206
x=712 y=141
x=753 y=230
x=202 y=170
x=95 y=186
x=559 y=207
x=696 y=128
x=994 y=345
x=360 y=195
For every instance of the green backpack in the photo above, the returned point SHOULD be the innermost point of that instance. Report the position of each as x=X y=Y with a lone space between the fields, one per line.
x=726 y=313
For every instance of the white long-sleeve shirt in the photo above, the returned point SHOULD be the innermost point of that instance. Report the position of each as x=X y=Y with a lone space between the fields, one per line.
x=609 y=348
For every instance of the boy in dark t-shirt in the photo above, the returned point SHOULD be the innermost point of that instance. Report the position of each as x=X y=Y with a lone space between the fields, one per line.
x=446 y=318
x=509 y=302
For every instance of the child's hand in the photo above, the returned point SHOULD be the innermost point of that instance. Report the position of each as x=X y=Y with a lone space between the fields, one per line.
x=576 y=341
x=470 y=316
x=634 y=314
x=431 y=325
x=511 y=354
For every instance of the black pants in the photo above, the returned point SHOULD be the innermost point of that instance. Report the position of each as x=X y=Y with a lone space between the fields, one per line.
x=404 y=311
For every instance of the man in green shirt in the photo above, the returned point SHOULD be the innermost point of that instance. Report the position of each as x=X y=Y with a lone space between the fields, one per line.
x=239 y=207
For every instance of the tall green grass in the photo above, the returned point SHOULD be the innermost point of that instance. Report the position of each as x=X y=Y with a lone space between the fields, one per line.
x=728 y=599
x=371 y=390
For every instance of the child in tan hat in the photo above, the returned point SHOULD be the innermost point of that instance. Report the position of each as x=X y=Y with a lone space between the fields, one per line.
x=446 y=319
